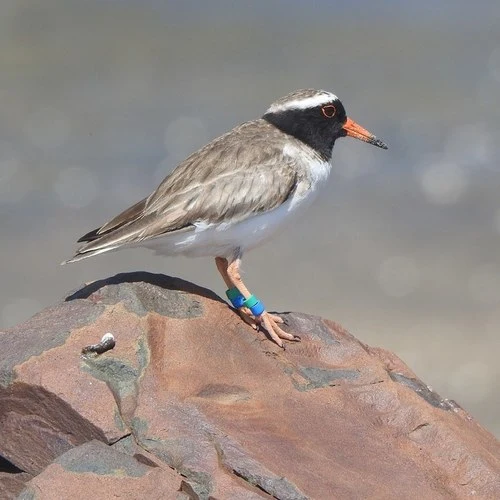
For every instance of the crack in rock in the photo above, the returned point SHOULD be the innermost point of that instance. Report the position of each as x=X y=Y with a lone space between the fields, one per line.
x=425 y=392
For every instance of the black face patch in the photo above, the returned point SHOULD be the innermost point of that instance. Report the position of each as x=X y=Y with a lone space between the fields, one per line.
x=318 y=127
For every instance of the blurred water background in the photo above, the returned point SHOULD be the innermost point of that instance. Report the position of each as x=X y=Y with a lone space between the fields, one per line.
x=100 y=99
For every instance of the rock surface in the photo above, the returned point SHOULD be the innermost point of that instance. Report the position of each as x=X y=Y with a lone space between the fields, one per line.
x=193 y=403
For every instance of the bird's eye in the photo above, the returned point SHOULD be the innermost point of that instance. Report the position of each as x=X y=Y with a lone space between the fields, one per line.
x=328 y=111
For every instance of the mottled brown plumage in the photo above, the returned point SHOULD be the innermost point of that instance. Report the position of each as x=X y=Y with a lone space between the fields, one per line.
x=240 y=174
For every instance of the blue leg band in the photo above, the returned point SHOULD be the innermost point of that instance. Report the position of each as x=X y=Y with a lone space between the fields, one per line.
x=235 y=297
x=255 y=305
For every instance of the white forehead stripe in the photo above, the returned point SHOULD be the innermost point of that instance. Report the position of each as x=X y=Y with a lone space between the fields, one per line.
x=307 y=102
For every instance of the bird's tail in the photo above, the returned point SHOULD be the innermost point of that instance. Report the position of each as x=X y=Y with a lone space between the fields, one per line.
x=111 y=235
x=85 y=254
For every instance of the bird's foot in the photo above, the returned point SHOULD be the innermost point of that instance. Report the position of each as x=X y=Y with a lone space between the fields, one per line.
x=270 y=323
x=276 y=333
x=251 y=320
x=248 y=318
x=277 y=319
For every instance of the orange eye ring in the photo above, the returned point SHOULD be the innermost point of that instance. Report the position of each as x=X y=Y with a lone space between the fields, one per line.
x=328 y=111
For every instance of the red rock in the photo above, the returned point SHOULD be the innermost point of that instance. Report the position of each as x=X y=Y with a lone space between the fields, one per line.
x=11 y=484
x=201 y=393
x=94 y=470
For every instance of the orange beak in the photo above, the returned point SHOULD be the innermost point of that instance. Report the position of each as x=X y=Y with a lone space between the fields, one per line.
x=354 y=130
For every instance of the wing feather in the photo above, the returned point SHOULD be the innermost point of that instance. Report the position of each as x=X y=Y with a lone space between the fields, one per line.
x=220 y=183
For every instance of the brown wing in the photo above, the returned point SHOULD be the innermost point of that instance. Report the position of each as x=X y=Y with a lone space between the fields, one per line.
x=234 y=177
x=126 y=217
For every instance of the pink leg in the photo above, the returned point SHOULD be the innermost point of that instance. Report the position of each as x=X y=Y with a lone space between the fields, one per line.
x=244 y=312
x=233 y=278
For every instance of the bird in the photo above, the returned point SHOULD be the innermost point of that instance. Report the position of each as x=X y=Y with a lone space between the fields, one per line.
x=234 y=193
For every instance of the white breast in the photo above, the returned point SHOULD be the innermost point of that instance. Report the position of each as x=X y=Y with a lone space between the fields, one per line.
x=315 y=168
x=222 y=239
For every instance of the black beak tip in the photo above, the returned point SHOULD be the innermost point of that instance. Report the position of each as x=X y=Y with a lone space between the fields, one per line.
x=379 y=143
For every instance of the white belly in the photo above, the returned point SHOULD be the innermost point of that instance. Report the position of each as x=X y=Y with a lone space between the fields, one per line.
x=222 y=240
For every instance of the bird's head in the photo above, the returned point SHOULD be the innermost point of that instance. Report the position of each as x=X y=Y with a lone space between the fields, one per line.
x=317 y=118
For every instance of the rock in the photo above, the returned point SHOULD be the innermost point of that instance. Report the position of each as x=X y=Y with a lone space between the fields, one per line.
x=193 y=403
x=12 y=480
x=11 y=484
x=107 y=473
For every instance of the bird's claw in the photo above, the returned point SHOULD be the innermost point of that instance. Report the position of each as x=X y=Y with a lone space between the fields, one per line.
x=248 y=319
x=276 y=333
x=279 y=319
x=268 y=322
